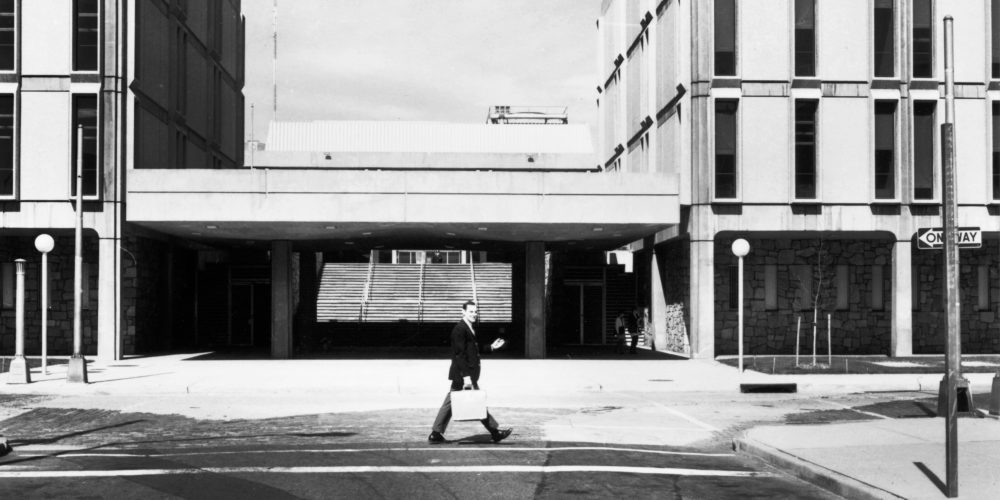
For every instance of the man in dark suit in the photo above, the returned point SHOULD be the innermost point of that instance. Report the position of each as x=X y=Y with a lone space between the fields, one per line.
x=464 y=373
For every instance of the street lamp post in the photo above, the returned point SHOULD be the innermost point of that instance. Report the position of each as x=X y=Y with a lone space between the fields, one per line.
x=740 y=249
x=44 y=244
x=19 y=373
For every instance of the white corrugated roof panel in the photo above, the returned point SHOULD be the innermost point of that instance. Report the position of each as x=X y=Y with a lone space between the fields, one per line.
x=426 y=137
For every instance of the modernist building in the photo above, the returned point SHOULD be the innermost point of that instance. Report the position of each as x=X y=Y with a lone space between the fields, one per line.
x=810 y=128
x=155 y=84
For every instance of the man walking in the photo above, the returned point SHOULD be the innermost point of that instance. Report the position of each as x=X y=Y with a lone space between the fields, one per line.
x=464 y=373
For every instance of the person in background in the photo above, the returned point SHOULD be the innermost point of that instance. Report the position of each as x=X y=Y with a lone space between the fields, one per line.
x=620 y=332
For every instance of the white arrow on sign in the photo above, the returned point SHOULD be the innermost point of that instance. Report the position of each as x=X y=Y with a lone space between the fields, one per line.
x=933 y=238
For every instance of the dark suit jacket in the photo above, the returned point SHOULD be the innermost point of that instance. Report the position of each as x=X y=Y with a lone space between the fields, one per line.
x=464 y=353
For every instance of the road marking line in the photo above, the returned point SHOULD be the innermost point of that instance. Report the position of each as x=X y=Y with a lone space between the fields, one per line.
x=491 y=449
x=677 y=413
x=545 y=469
x=845 y=407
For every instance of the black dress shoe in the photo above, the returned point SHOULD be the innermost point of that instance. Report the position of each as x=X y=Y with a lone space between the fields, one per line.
x=436 y=437
x=501 y=434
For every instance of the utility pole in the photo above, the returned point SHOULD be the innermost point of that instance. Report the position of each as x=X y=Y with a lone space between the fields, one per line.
x=274 y=63
x=77 y=370
x=953 y=345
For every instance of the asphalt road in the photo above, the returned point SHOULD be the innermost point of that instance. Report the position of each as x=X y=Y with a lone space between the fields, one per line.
x=641 y=445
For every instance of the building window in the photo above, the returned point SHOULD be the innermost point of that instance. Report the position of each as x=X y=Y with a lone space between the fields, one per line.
x=803 y=276
x=770 y=287
x=7 y=145
x=7 y=285
x=85 y=35
x=983 y=289
x=725 y=37
x=8 y=22
x=734 y=291
x=923 y=149
x=725 y=148
x=805 y=149
x=996 y=151
x=885 y=150
x=805 y=38
x=884 y=38
x=843 y=288
x=878 y=303
x=85 y=115
x=923 y=39
x=995 y=29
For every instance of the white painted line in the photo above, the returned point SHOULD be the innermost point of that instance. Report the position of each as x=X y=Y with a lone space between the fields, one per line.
x=677 y=413
x=845 y=407
x=543 y=469
x=449 y=449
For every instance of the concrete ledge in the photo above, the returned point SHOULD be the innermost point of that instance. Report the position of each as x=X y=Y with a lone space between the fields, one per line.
x=833 y=481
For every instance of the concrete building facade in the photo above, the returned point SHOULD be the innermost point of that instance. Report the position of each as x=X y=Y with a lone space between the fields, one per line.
x=810 y=128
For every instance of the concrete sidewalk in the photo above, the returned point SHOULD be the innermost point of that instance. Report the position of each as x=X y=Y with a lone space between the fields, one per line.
x=891 y=458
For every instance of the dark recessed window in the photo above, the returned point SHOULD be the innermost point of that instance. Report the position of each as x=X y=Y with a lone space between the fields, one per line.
x=996 y=150
x=805 y=38
x=923 y=41
x=805 y=149
x=923 y=149
x=6 y=145
x=884 y=39
x=85 y=115
x=725 y=148
x=725 y=37
x=995 y=29
x=8 y=21
x=885 y=150
x=85 y=35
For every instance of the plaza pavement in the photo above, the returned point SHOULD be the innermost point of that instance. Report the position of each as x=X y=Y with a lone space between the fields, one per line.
x=879 y=458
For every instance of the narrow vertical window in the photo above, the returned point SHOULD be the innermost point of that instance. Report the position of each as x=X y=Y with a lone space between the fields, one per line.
x=843 y=288
x=85 y=35
x=8 y=21
x=995 y=30
x=725 y=148
x=884 y=39
x=725 y=37
x=983 y=289
x=878 y=284
x=770 y=287
x=7 y=285
x=803 y=287
x=734 y=291
x=885 y=150
x=996 y=151
x=923 y=149
x=923 y=41
x=85 y=114
x=805 y=149
x=805 y=38
x=6 y=145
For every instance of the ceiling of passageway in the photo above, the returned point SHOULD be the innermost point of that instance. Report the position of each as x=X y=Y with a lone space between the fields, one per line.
x=361 y=235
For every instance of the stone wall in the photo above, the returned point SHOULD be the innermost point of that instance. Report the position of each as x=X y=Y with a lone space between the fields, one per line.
x=60 y=314
x=144 y=275
x=674 y=262
x=980 y=328
x=857 y=329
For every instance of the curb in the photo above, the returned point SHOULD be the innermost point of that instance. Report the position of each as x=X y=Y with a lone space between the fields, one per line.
x=810 y=472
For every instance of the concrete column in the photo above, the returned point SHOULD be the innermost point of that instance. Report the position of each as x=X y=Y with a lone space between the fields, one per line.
x=109 y=334
x=534 y=299
x=657 y=303
x=702 y=296
x=902 y=299
x=281 y=299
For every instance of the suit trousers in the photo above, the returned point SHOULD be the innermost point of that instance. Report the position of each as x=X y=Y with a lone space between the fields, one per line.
x=444 y=414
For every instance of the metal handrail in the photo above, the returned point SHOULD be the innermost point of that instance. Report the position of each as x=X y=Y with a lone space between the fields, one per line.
x=420 y=293
x=366 y=295
x=472 y=274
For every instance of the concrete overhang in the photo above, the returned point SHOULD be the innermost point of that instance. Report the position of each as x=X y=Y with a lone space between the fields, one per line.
x=335 y=208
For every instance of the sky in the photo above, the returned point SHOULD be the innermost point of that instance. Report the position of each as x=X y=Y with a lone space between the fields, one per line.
x=420 y=60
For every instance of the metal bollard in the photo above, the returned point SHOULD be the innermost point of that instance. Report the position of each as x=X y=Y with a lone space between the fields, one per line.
x=19 y=373
x=995 y=395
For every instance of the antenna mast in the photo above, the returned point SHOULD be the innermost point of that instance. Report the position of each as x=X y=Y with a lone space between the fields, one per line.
x=274 y=62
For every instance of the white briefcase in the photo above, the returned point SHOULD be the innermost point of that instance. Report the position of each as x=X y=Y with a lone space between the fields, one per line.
x=468 y=405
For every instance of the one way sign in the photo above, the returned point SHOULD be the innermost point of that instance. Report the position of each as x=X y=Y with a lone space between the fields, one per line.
x=930 y=238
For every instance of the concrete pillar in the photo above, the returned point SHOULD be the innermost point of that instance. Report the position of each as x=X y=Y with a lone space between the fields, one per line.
x=902 y=299
x=109 y=331
x=702 y=297
x=534 y=299
x=657 y=303
x=281 y=299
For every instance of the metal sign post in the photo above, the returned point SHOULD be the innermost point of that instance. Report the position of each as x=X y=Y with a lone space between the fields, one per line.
x=77 y=370
x=953 y=344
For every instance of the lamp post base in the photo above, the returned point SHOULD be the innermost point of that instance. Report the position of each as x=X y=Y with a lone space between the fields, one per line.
x=77 y=371
x=19 y=372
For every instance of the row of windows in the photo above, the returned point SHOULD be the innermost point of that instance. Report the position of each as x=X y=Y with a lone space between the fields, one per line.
x=883 y=38
x=84 y=120
x=803 y=278
x=86 y=35
x=885 y=154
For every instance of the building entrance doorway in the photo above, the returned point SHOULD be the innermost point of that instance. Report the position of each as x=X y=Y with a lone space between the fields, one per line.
x=587 y=311
x=250 y=314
